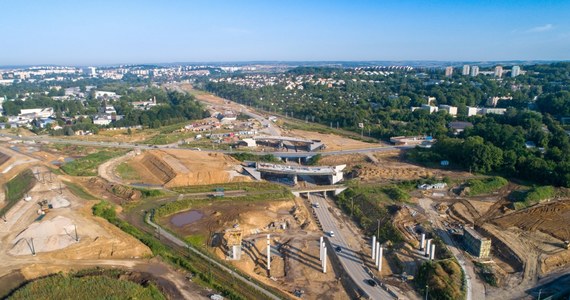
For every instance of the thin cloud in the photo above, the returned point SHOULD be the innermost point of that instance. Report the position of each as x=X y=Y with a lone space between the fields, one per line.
x=543 y=28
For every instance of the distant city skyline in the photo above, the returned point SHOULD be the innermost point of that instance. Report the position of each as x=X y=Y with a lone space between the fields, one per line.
x=146 y=32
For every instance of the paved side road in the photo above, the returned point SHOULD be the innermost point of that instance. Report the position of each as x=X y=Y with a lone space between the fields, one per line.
x=181 y=243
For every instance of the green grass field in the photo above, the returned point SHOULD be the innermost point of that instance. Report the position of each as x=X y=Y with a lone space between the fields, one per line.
x=78 y=191
x=127 y=172
x=485 y=185
x=87 y=166
x=17 y=188
x=85 y=287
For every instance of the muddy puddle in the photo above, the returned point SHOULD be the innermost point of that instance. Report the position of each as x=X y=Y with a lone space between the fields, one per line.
x=185 y=218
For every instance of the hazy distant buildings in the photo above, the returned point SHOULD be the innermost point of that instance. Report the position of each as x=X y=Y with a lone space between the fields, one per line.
x=498 y=71
x=465 y=70
x=474 y=71
x=448 y=71
x=515 y=71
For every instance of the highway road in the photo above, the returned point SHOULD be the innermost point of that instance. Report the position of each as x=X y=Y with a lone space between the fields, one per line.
x=349 y=259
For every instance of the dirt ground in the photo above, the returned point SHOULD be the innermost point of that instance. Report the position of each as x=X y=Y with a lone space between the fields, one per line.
x=295 y=263
x=526 y=245
x=98 y=239
x=174 y=168
x=371 y=167
x=333 y=142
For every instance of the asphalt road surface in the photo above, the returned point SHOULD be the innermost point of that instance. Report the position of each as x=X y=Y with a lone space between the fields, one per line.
x=349 y=259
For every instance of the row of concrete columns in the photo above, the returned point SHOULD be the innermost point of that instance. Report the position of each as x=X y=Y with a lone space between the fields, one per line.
x=427 y=247
x=377 y=252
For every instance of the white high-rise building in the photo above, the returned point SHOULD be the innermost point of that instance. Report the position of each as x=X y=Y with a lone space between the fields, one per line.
x=474 y=71
x=515 y=71
x=448 y=71
x=498 y=71
x=465 y=70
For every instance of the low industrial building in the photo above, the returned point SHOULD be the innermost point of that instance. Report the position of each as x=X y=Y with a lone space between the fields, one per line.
x=476 y=244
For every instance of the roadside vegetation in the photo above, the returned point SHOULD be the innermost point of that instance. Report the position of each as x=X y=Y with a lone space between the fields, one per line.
x=482 y=186
x=87 y=166
x=254 y=186
x=101 y=285
x=245 y=156
x=372 y=207
x=444 y=279
x=17 y=188
x=486 y=273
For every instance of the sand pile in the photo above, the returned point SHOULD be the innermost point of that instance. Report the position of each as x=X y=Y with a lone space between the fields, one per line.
x=49 y=235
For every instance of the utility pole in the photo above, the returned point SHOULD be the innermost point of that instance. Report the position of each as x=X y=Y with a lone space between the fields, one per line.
x=378 y=230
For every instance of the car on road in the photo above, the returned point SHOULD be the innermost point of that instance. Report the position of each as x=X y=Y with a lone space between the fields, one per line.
x=316 y=205
x=371 y=282
x=331 y=233
x=338 y=249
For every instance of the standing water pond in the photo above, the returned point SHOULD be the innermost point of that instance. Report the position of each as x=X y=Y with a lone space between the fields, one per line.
x=185 y=218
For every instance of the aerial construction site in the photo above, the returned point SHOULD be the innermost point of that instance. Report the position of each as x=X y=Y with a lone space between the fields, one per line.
x=308 y=215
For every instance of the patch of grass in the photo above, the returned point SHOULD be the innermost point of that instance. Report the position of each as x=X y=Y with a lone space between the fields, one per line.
x=485 y=185
x=368 y=204
x=245 y=156
x=78 y=191
x=87 y=166
x=395 y=193
x=151 y=193
x=17 y=188
x=486 y=273
x=233 y=186
x=89 y=287
x=164 y=139
x=127 y=172
x=196 y=240
x=536 y=194
x=185 y=204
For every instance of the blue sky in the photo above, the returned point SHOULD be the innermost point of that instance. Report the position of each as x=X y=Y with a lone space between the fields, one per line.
x=113 y=32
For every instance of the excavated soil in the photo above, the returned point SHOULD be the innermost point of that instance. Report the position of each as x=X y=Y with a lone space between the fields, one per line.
x=552 y=218
x=173 y=168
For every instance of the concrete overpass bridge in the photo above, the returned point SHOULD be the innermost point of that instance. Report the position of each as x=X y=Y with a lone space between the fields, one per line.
x=281 y=140
x=337 y=189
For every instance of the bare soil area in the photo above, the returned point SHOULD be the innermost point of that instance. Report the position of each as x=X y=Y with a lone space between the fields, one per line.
x=174 y=168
